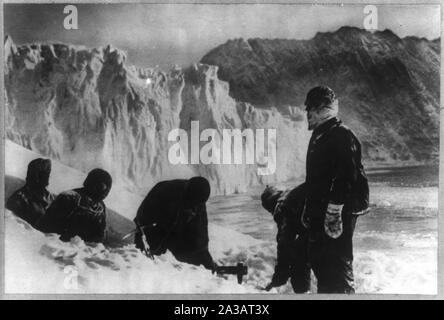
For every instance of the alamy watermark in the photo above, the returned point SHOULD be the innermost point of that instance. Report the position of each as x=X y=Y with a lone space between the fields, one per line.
x=226 y=149
x=371 y=17
x=221 y=150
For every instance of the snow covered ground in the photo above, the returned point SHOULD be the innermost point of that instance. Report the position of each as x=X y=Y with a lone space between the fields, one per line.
x=38 y=263
x=395 y=246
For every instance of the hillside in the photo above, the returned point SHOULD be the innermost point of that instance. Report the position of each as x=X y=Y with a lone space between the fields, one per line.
x=388 y=87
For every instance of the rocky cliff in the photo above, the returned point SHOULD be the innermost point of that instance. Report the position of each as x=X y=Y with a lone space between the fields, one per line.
x=88 y=108
x=388 y=87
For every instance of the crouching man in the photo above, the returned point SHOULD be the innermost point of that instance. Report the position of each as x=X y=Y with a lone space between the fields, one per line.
x=173 y=216
x=287 y=207
x=32 y=200
x=80 y=212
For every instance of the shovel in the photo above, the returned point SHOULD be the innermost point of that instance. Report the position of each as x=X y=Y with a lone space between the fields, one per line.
x=239 y=270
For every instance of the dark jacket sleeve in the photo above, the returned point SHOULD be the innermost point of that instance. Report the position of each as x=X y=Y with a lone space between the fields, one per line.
x=55 y=218
x=158 y=207
x=190 y=231
x=87 y=223
x=17 y=203
x=287 y=231
x=152 y=216
x=101 y=227
x=96 y=224
x=201 y=228
x=189 y=240
x=200 y=252
x=343 y=165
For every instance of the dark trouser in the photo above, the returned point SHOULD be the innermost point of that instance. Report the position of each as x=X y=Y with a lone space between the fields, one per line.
x=292 y=262
x=332 y=259
x=300 y=267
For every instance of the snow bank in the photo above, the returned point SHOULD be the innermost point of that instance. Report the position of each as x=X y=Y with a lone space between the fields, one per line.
x=38 y=263
x=386 y=260
x=391 y=273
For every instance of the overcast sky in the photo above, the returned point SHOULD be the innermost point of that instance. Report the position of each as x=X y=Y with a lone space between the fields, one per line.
x=159 y=34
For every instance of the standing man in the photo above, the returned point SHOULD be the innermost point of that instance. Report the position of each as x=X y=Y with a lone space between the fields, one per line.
x=32 y=200
x=80 y=212
x=337 y=192
x=173 y=216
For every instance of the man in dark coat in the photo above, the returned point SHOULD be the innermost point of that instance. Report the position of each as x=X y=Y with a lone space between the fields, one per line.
x=32 y=200
x=173 y=216
x=336 y=184
x=287 y=207
x=80 y=212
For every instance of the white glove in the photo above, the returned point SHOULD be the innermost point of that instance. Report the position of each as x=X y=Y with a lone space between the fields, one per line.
x=333 y=220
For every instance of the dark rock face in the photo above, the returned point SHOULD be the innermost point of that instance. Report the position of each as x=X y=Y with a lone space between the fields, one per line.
x=388 y=87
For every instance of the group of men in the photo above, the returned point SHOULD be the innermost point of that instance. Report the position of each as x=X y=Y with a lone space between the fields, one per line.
x=172 y=216
x=78 y=212
x=315 y=220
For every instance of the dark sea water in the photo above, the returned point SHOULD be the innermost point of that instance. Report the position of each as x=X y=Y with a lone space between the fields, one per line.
x=414 y=176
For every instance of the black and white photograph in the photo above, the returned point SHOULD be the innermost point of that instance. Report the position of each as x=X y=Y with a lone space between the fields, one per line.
x=221 y=148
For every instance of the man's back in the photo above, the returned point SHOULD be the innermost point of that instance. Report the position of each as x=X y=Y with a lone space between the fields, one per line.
x=333 y=164
x=168 y=224
x=29 y=205
x=162 y=203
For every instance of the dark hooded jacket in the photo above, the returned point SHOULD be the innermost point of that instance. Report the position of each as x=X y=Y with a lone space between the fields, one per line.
x=287 y=209
x=32 y=200
x=333 y=170
x=168 y=225
x=74 y=213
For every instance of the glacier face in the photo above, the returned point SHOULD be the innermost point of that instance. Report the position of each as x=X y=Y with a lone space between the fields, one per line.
x=89 y=108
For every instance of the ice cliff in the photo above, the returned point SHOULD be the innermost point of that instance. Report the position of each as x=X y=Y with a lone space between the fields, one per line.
x=88 y=108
